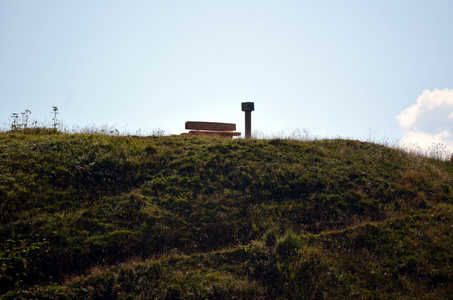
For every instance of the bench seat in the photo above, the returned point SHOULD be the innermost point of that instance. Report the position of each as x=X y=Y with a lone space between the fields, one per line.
x=214 y=133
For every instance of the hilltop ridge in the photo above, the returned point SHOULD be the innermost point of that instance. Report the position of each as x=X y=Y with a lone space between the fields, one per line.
x=109 y=217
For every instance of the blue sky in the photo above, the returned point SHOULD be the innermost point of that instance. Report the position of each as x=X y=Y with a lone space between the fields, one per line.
x=354 y=69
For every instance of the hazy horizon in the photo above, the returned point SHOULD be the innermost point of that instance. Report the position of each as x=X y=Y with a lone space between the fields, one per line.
x=353 y=69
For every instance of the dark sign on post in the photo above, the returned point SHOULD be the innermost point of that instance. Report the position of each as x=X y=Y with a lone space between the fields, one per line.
x=248 y=106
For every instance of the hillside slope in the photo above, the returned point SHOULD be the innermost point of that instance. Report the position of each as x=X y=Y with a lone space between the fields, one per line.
x=102 y=217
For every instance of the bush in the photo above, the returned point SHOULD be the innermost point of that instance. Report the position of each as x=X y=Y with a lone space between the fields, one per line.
x=289 y=245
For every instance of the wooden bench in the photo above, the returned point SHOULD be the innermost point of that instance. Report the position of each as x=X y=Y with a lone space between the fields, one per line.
x=212 y=128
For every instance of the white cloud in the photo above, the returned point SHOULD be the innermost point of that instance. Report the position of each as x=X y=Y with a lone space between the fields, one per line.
x=408 y=116
x=431 y=107
x=424 y=139
x=429 y=121
x=438 y=146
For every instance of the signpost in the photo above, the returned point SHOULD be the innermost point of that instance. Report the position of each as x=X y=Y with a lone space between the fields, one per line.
x=248 y=107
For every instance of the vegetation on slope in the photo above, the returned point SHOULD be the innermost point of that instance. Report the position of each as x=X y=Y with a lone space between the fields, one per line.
x=102 y=217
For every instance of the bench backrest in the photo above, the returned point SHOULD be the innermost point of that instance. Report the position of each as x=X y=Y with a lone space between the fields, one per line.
x=195 y=125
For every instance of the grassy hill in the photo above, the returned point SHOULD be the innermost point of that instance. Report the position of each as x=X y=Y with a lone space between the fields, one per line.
x=89 y=216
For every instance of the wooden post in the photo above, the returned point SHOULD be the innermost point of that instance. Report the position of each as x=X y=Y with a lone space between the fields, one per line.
x=248 y=107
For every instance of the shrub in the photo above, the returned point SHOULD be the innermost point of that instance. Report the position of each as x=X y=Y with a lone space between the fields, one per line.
x=289 y=245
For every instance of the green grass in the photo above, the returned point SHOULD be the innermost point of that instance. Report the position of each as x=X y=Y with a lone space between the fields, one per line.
x=93 y=216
